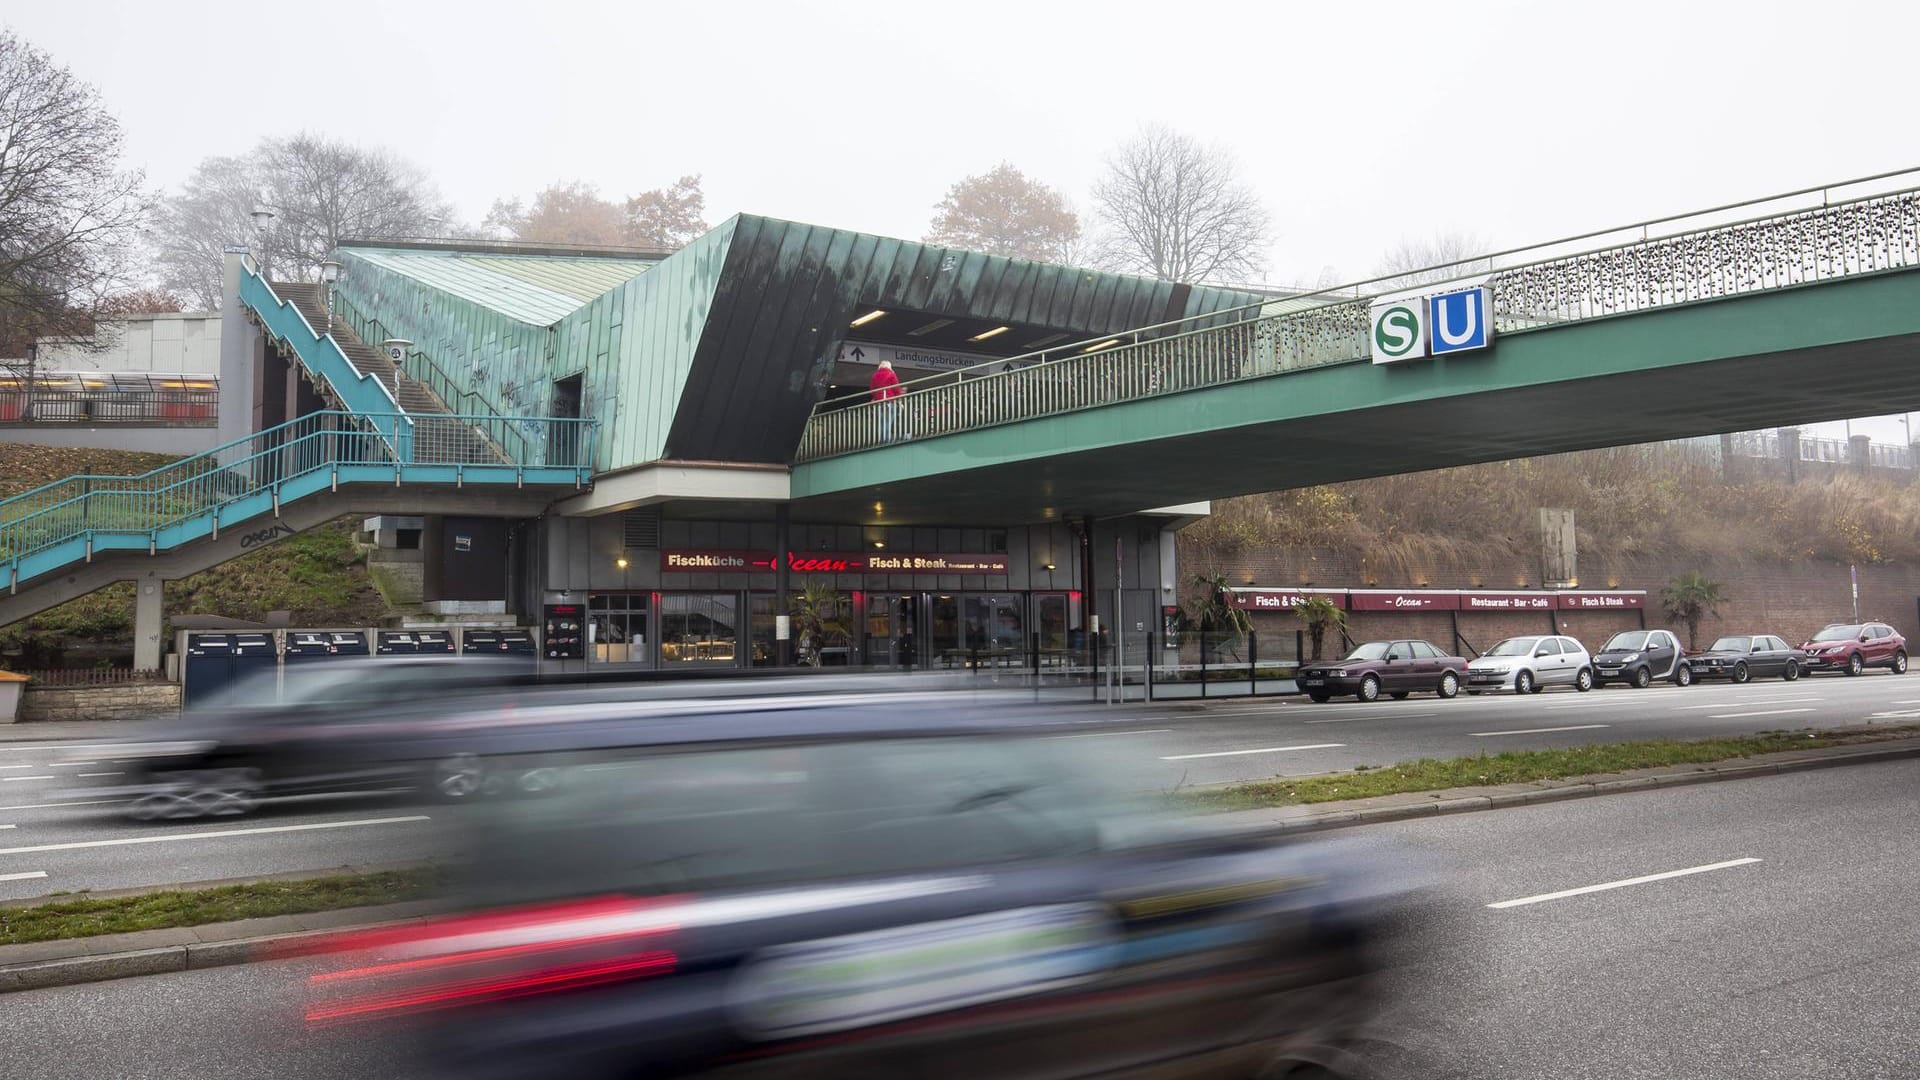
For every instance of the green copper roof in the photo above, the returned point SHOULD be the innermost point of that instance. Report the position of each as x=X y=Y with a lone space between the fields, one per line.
x=539 y=290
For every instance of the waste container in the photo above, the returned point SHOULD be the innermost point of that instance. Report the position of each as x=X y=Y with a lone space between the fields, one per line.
x=515 y=643
x=414 y=643
x=216 y=660
x=326 y=646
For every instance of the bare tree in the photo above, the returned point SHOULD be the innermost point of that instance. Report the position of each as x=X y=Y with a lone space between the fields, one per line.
x=668 y=218
x=1442 y=257
x=1176 y=209
x=321 y=191
x=1005 y=212
x=562 y=213
x=68 y=211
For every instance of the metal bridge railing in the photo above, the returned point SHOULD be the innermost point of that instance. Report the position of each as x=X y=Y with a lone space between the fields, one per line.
x=323 y=443
x=1815 y=234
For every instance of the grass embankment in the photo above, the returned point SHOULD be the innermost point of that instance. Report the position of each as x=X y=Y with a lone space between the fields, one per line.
x=1515 y=767
x=88 y=916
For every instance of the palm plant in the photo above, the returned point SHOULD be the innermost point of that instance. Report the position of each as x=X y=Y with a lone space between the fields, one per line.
x=1691 y=597
x=815 y=611
x=1212 y=612
x=1320 y=614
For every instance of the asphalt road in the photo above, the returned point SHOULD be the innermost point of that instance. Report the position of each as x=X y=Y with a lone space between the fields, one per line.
x=47 y=848
x=1800 y=962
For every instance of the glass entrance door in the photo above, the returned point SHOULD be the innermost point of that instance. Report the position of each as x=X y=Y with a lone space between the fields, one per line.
x=893 y=625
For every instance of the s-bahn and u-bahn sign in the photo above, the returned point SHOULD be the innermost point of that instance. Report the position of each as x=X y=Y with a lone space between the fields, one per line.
x=1411 y=328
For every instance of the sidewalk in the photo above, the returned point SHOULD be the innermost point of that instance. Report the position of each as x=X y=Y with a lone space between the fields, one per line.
x=39 y=731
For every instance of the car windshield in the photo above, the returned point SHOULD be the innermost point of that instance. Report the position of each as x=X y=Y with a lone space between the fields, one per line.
x=1515 y=646
x=1731 y=644
x=760 y=815
x=1372 y=650
x=1839 y=633
x=1626 y=642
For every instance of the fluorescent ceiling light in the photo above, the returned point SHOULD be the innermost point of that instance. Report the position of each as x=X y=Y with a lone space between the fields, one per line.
x=930 y=327
x=1046 y=341
x=995 y=332
x=868 y=317
x=1097 y=346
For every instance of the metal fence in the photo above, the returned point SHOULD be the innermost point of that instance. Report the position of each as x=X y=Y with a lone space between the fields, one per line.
x=1766 y=445
x=1774 y=243
x=72 y=400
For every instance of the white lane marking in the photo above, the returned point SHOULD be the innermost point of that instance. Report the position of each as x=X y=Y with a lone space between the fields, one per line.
x=70 y=764
x=1344 y=715
x=1584 y=705
x=100 y=774
x=1909 y=701
x=1763 y=712
x=6 y=749
x=9 y=826
x=39 y=766
x=1111 y=734
x=1584 y=889
x=1755 y=701
x=212 y=835
x=1237 y=753
x=64 y=805
x=16 y=779
x=28 y=876
x=1350 y=719
x=1538 y=730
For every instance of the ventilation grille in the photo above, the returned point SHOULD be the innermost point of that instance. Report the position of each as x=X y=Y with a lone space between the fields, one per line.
x=641 y=528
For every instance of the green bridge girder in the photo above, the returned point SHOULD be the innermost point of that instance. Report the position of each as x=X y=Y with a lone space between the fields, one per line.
x=1822 y=351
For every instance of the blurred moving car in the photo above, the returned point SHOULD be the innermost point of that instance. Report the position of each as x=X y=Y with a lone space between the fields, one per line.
x=1395 y=668
x=1855 y=647
x=1638 y=657
x=1528 y=665
x=1742 y=657
x=828 y=890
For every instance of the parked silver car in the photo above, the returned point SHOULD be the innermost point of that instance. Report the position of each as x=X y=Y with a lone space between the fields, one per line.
x=1528 y=665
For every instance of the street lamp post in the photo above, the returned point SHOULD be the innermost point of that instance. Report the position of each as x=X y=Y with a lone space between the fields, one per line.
x=262 y=224
x=330 y=273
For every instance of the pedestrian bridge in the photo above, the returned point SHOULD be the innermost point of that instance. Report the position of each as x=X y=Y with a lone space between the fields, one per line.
x=1793 y=309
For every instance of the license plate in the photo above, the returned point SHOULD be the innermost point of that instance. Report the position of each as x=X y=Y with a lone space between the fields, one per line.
x=872 y=978
x=1316 y=682
x=1609 y=671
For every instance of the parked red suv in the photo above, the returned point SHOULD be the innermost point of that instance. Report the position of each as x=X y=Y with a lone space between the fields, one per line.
x=1855 y=647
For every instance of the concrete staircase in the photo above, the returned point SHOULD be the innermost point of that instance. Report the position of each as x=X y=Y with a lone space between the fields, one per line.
x=437 y=435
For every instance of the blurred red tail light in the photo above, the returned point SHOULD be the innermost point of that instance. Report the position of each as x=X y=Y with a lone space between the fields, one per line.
x=495 y=956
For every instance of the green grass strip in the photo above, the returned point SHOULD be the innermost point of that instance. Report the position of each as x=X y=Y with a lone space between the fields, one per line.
x=89 y=916
x=1509 y=767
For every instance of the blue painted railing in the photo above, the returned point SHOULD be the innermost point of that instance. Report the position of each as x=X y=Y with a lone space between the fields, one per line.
x=70 y=521
x=356 y=391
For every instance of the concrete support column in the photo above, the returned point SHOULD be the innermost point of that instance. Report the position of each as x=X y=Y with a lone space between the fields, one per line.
x=782 y=544
x=238 y=342
x=149 y=594
x=1790 y=452
x=1860 y=452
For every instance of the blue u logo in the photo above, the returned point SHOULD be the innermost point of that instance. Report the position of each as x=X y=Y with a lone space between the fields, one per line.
x=1457 y=321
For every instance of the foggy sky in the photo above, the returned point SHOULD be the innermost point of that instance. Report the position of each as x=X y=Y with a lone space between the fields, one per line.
x=1360 y=124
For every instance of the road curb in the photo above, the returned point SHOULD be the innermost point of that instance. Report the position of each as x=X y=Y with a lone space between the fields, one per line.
x=197 y=955
x=1339 y=817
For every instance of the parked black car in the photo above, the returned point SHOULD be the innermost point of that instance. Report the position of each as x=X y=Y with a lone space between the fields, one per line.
x=803 y=889
x=1741 y=657
x=1638 y=657
x=1394 y=668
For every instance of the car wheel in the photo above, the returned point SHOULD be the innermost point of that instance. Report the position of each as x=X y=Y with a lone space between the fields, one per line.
x=1449 y=685
x=1683 y=675
x=1369 y=689
x=1400 y=695
x=1319 y=698
x=1583 y=682
x=1740 y=673
x=1642 y=678
x=1855 y=665
x=1792 y=672
x=1523 y=683
x=459 y=778
x=1900 y=662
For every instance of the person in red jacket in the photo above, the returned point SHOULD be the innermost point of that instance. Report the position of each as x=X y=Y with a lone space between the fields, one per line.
x=884 y=387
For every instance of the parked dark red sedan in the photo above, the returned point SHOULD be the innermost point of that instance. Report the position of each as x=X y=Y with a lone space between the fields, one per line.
x=1394 y=668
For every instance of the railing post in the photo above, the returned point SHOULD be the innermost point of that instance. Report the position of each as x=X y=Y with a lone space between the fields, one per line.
x=1150 y=656
x=1253 y=663
x=1203 y=663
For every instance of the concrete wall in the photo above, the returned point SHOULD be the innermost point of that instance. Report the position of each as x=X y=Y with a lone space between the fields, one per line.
x=132 y=701
x=176 y=342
